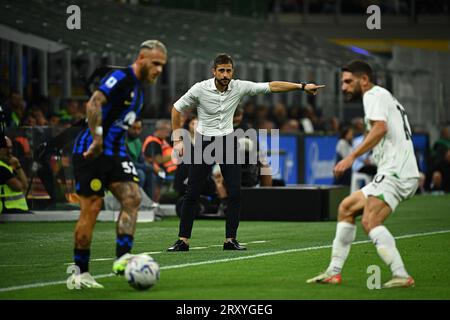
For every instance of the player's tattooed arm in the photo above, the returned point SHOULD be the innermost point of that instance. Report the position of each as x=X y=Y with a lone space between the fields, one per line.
x=94 y=110
x=94 y=118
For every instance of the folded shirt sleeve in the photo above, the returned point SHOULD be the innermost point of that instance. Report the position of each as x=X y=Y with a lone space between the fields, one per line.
x=249 y=88
x=376 y=106
x=189 y=99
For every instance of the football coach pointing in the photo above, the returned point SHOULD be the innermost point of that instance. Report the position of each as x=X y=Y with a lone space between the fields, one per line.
x=216 y=100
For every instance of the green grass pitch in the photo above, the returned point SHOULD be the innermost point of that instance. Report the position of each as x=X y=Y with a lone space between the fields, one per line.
x=280 y=257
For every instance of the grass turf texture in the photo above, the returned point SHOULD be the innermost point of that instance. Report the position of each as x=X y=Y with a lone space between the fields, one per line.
x=33 y=253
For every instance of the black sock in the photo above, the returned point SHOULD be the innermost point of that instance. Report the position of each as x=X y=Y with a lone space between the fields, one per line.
x=124 y=243
x=81 y=259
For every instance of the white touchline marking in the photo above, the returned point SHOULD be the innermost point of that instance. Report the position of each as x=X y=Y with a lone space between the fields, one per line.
x=243 y=243
x=24 y=265
x=45 y=284
x=150 y=252
x=99 y=259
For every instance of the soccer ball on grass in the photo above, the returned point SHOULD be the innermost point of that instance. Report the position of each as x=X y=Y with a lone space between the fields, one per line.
x=142 y=272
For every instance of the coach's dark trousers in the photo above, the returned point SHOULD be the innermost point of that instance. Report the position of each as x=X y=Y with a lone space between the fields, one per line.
x=198 y=172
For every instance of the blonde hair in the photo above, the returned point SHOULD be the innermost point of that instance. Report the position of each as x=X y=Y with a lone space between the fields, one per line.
x=154 y=44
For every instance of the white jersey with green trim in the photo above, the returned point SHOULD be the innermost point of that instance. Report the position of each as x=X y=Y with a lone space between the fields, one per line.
x=394 y=154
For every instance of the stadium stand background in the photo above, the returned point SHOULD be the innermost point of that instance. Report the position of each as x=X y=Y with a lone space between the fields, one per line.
x=263 y=50
x=279 y=41
x=270 y=39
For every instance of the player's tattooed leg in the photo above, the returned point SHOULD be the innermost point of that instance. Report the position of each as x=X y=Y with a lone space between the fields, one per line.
x=128 y=194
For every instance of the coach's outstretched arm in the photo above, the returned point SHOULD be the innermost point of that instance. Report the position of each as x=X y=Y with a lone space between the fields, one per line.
x=282 y=86
x=94 y=118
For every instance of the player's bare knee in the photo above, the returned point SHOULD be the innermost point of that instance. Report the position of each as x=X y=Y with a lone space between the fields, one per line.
x=87 y=219
x=136 y=200
x=130 y=197
x=345 y=213
x=132 y=203
x=342 y=212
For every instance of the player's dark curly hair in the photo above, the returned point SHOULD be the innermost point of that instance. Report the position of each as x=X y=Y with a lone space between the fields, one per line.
x=222 y=58
x=359 y=67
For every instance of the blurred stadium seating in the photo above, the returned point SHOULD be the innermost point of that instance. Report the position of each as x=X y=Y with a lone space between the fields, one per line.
x=110 y=27
x=111 y=32
x=270 y=40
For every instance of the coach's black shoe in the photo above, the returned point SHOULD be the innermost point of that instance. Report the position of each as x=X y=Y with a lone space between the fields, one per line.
x=180 y=245
x=233 y=245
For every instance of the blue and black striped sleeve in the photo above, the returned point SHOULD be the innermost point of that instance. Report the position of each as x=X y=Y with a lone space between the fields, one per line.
x=115 y=86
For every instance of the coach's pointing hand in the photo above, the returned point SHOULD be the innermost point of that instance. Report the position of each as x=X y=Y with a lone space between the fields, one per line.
x=312 y=88
x=178 y=151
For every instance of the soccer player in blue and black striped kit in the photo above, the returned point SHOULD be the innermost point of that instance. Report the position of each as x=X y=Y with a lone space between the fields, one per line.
x=100 y=159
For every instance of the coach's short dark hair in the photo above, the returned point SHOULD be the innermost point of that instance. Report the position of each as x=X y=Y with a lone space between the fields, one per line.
x=359 y=67
x=222 y=58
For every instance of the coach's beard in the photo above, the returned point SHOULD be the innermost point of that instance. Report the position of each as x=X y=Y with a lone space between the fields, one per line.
x=224 y=82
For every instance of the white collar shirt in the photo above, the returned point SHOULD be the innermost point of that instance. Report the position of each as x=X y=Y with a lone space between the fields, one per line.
x=215 y=109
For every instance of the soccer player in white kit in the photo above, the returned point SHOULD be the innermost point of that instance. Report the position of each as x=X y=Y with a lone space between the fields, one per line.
x=389 y=136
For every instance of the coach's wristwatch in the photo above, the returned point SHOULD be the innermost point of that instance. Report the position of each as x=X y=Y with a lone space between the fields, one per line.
x=302 y=86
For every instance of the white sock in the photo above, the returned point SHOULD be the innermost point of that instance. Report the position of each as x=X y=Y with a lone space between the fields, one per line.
x=345 y=235
x=385 y=244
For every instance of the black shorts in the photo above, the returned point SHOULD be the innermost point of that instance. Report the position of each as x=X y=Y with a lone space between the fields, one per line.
x=93 y=176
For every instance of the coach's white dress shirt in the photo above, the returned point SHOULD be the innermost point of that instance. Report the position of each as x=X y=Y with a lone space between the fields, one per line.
x=216 y=109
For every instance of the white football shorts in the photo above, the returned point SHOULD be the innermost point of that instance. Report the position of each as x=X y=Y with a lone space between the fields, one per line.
x=390 y=189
